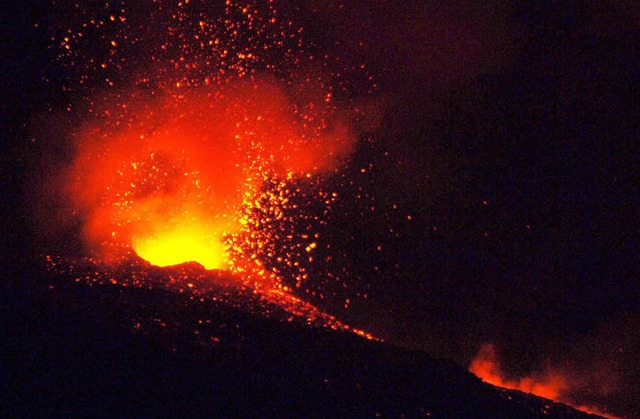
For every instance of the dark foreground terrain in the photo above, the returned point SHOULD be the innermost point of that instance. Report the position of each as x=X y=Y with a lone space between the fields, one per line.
x=77 y=349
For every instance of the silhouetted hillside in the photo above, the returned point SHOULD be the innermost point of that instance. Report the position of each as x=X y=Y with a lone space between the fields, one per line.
x=107 y=350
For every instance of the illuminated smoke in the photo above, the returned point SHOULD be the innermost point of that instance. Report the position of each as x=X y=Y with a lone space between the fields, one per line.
x=485 y=365
x=551 y=383
x=171 y=176
x=199 y=122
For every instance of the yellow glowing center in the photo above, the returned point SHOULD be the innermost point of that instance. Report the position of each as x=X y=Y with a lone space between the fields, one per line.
x=182 y=245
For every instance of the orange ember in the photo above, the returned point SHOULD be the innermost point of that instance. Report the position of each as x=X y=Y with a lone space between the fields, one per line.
x=172 y=178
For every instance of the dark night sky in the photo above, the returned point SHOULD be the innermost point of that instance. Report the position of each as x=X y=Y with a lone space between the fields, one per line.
x=511 y=135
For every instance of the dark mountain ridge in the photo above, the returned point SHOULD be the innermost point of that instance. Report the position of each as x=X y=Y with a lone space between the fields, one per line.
x=78 y=348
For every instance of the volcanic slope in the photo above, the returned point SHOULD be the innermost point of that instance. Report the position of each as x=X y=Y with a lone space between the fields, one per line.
x=103 y=348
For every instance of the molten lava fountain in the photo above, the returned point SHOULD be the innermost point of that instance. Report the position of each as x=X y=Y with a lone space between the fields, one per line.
x=179 y=177
x=194 y=126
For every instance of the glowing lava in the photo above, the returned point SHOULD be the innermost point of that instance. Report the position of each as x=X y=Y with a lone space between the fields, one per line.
x=200 y=132
x=183 y=245
x=550 y=384
x=173 y=179
x=486 y=366
x=190 y=116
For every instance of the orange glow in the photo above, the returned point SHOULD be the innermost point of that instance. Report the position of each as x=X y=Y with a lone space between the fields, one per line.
x=201 y=140
x=550 y=384
x=173 y=179
x=183 y=245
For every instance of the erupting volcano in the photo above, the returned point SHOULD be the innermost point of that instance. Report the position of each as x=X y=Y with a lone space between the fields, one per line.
x=201 y=136
x=196 y=152
x=236 y=193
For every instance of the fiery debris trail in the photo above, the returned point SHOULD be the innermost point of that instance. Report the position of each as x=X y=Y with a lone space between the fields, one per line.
x=199 y=285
